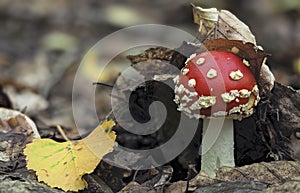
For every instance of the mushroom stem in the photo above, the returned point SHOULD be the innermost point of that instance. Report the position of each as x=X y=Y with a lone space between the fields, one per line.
x=217 y=145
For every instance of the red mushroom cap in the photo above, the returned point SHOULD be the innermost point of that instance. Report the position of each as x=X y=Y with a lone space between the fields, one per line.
x=216 y=83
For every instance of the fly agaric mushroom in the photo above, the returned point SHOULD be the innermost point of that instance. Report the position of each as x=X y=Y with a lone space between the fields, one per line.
x=216 y=86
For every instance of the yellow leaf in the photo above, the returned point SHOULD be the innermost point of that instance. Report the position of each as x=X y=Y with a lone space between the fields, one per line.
x=62 y=165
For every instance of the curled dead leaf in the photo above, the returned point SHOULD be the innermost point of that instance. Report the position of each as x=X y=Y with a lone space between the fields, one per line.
x=221 y=24
x=266 y=76
x=17 y=121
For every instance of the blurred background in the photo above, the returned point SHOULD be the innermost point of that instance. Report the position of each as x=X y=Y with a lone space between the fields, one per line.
x=43 y=42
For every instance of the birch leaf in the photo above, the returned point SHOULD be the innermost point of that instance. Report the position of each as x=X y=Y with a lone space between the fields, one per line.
x=62 y=165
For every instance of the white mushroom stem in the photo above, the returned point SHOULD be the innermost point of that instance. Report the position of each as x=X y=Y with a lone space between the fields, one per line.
x=217 y=145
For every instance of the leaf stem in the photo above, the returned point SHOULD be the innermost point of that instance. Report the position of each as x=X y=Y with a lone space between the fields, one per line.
x=62 y=133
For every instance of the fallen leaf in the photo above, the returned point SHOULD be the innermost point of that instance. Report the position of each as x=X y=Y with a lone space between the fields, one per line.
x=272 y=173
x=62 y=165
x=229 y=187
x=135 y=187
x=206 y=18
x=215 y=24
x=17 y=122
x=289 y=186
x=11 y=147
x=159 y=53
x=26 y=98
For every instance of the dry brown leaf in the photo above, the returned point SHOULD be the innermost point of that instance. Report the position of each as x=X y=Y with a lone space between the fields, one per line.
x=233 y=28
x=221 y=24
x=272 y=173
x=134 y=187
x=267 y=77
x=159 y=53
x=17 y=122
x=292 y=186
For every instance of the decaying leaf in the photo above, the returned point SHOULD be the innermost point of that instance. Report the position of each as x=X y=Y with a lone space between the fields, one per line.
x=134 y=187
x=295 y=144
x=237 y=186
x=206 y=18
x=159 y=53
x=26 y=98
x=287 y=101
x=110 y=174
x=214 y=24
x=268 y=80
x=273 y=173
x=290 y=186
x=13 y=183
x=17 y=122
x=62 y=165
x=96 y=184
x=16 y=130
x=257 y=176
x=11 y=146
x=165 y=177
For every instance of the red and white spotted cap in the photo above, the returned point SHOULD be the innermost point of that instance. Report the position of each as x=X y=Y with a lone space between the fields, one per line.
x=214 y=84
